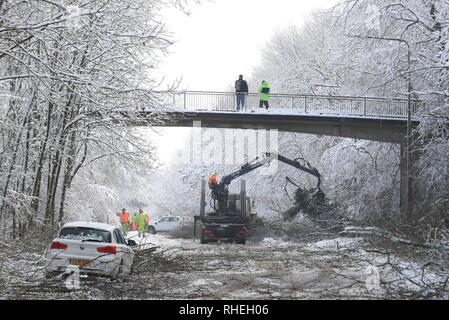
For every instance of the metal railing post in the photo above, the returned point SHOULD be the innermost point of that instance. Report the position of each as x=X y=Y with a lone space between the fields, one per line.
x=364 y=107
x=305 y=104
x=184 y=100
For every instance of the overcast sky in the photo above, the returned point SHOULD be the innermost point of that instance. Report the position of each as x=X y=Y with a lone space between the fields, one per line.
x=223 y=38
x=218 y=41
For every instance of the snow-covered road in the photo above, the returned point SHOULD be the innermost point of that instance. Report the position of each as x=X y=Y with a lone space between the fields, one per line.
x=343 y=268
x=340 y=268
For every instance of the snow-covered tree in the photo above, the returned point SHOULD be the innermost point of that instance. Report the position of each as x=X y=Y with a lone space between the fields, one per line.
x=66 y=70
x=361 y=47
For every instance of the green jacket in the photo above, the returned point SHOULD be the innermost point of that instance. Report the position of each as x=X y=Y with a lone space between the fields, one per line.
x=140 y=219
x=264 y=96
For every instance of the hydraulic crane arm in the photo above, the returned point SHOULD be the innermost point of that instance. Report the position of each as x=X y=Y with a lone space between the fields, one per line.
x=267 y=158
x=296 y=164
x=246 y=168
x=220 y=192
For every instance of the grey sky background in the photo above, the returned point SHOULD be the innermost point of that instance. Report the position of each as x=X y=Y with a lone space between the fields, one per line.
x=224 y=38
x=218 y=41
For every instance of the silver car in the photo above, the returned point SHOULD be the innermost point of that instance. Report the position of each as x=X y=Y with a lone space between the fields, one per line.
x=165 y=224
x=94 y=248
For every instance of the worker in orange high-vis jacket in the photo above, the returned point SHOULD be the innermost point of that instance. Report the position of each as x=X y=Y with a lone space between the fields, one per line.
x=213 y=179
x=213 y=183
x=124 y=220
x=147 y=221
x=134 y=222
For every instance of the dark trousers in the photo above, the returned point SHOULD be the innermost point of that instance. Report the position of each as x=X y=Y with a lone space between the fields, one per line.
x=262 y=103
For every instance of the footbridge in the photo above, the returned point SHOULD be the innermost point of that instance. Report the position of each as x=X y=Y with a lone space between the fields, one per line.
x=370 y=118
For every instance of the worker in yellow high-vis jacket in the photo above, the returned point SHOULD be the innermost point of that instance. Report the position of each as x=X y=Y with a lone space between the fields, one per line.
x=141 y=220
x=264 y=91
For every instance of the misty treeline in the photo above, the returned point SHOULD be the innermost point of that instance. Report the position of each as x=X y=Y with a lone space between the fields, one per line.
x=360 y=48
x=66 y=68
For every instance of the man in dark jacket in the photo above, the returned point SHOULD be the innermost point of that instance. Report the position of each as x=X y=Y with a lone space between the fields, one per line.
x=241 y=90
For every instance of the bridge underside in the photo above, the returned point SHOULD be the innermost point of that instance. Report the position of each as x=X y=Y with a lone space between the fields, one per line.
x=383 y=130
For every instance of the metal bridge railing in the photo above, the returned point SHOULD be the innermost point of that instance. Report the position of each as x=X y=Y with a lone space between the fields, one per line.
x=296 y=104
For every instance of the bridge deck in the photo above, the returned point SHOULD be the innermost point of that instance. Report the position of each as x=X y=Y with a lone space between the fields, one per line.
x=369 y=118
x=391 y=130
x=369 y=107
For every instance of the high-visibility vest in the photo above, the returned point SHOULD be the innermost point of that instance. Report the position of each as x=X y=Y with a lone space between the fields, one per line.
x=140 y=219
x=264 y=90
x=212 y=179
x=124 y=217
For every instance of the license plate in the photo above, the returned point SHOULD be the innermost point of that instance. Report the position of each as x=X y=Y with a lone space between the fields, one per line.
x=80 y=262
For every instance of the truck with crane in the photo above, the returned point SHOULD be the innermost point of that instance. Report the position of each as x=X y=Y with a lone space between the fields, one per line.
x=232 y=214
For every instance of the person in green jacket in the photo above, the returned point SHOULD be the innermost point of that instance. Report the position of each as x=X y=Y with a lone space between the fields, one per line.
x=264 y=91
x=141 y=220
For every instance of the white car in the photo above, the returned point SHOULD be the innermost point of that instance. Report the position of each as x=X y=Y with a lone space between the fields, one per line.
x=94 y=248
x=164 y=224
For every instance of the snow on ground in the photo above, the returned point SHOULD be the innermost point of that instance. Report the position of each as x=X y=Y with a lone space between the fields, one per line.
x=156 y=240
x=272 y=268
x=275 y=268
x=335 y=243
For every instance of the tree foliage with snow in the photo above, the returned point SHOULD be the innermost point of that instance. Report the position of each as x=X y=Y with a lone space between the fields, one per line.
x=361 y=47
x=67 y=69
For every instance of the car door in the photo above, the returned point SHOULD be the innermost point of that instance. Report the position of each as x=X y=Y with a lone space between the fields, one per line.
x=163 y=224
x=127 y=254
x=172 y=223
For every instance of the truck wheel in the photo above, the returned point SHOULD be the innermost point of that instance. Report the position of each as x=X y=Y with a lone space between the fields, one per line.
x=151 y=230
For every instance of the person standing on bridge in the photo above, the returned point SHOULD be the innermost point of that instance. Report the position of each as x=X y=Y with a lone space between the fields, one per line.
x=264 y=91
x=241 y=91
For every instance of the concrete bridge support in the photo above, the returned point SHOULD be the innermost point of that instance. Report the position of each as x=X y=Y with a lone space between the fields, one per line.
x=405 y=182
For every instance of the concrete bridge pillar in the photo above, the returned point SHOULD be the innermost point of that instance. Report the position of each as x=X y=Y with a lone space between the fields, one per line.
x=405 y=182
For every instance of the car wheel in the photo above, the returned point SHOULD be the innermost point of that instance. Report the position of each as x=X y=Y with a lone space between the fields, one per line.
x=240 y=241
x=151 y=230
